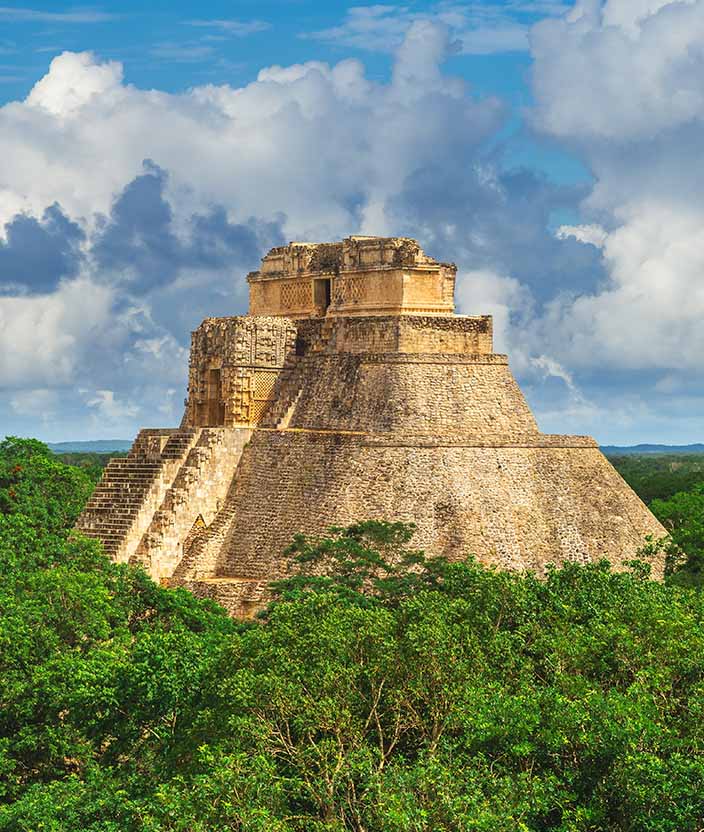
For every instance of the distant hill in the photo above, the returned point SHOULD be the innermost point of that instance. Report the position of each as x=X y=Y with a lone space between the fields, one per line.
x=96 y=446
x=623 y=450
x=103 y=446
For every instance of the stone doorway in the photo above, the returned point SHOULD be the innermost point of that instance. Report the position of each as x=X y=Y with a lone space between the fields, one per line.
x=323 y=294
x=215 y=403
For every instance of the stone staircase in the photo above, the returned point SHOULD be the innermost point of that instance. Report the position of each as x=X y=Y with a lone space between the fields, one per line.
x=206 y=544
x=132 y=488
x=292 y=379
x=196 y=494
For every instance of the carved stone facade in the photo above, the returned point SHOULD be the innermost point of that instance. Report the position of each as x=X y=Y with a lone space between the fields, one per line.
x=233 y=368
x=359 y=276
x=375 y=404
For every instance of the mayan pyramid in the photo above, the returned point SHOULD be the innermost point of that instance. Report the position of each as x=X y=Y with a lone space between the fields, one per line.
x=352 y=391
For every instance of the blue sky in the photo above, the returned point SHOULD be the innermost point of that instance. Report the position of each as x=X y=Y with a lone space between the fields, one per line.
x=149 y=157
x=173 y=46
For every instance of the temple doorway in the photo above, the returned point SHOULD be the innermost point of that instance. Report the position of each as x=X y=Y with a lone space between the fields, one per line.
x=216 y=405
x=323 y=294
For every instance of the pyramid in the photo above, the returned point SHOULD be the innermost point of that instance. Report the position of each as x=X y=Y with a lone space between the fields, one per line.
x=351 y=391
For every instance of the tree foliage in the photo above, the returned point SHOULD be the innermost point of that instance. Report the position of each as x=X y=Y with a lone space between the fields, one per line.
x=35 y=484
x=91 y=462
x=659 y=476
x=683 y=517
x=381 y=691
x=96 y=661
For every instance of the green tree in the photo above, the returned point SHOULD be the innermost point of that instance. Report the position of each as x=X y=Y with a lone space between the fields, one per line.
x=381 y=691
x=683 y=517
x=660 y=476
x=456 y=699
x=98 y=665
x=91 y=462
x=35 y=484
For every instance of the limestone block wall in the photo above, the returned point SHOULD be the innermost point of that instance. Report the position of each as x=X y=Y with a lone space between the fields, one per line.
x=360 y=374
x=193 y=500
x=292 y=297
x=358 y=276
x=377 y=291
x=417 y=394
x=445 y=334
x=393 y=292
x=518 y=506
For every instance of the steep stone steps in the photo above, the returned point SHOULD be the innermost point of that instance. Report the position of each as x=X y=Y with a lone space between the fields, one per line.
x=293 y=377
x=130 y=486
x=195 y=496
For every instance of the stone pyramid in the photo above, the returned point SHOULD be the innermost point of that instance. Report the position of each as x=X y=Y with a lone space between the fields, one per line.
x=352 y=391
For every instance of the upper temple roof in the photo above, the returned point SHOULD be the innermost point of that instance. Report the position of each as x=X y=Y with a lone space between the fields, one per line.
x=356 y=276
x=351 y=254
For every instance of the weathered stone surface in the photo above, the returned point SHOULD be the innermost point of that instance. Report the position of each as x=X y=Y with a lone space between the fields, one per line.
x=193 y=500
x=324 y=410
x=233 y=367
x=359 y=276
x=132 y=489
x=518 y=506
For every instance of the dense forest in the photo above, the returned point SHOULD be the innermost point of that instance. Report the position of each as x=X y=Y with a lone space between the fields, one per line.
x=659 y=476
x=91 y=462
x=415 y=696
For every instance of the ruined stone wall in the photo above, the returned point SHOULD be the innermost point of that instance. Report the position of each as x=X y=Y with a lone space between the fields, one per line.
x=304 y=258
x=363 y=276
x=409 y=373
x=447 y=334
x=378 y=291
x=415 y=394
x=292 y=297
x=392 y=292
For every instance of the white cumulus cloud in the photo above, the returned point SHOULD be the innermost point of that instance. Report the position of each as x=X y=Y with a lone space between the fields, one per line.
x=312 y=142
x=143 y=210
x=621 y=82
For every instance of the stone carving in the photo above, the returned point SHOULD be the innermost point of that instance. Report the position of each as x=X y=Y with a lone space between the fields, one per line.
x=296 y=294
x=348 y=290
x=350 y=392
x=364 y=275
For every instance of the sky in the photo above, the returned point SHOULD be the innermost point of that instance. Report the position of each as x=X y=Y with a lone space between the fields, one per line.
x=149 y=158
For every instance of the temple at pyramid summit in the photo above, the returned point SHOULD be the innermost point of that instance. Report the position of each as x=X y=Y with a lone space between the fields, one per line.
x=351 y=391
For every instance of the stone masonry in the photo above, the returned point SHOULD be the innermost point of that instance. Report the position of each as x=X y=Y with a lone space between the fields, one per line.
x=353 y=392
